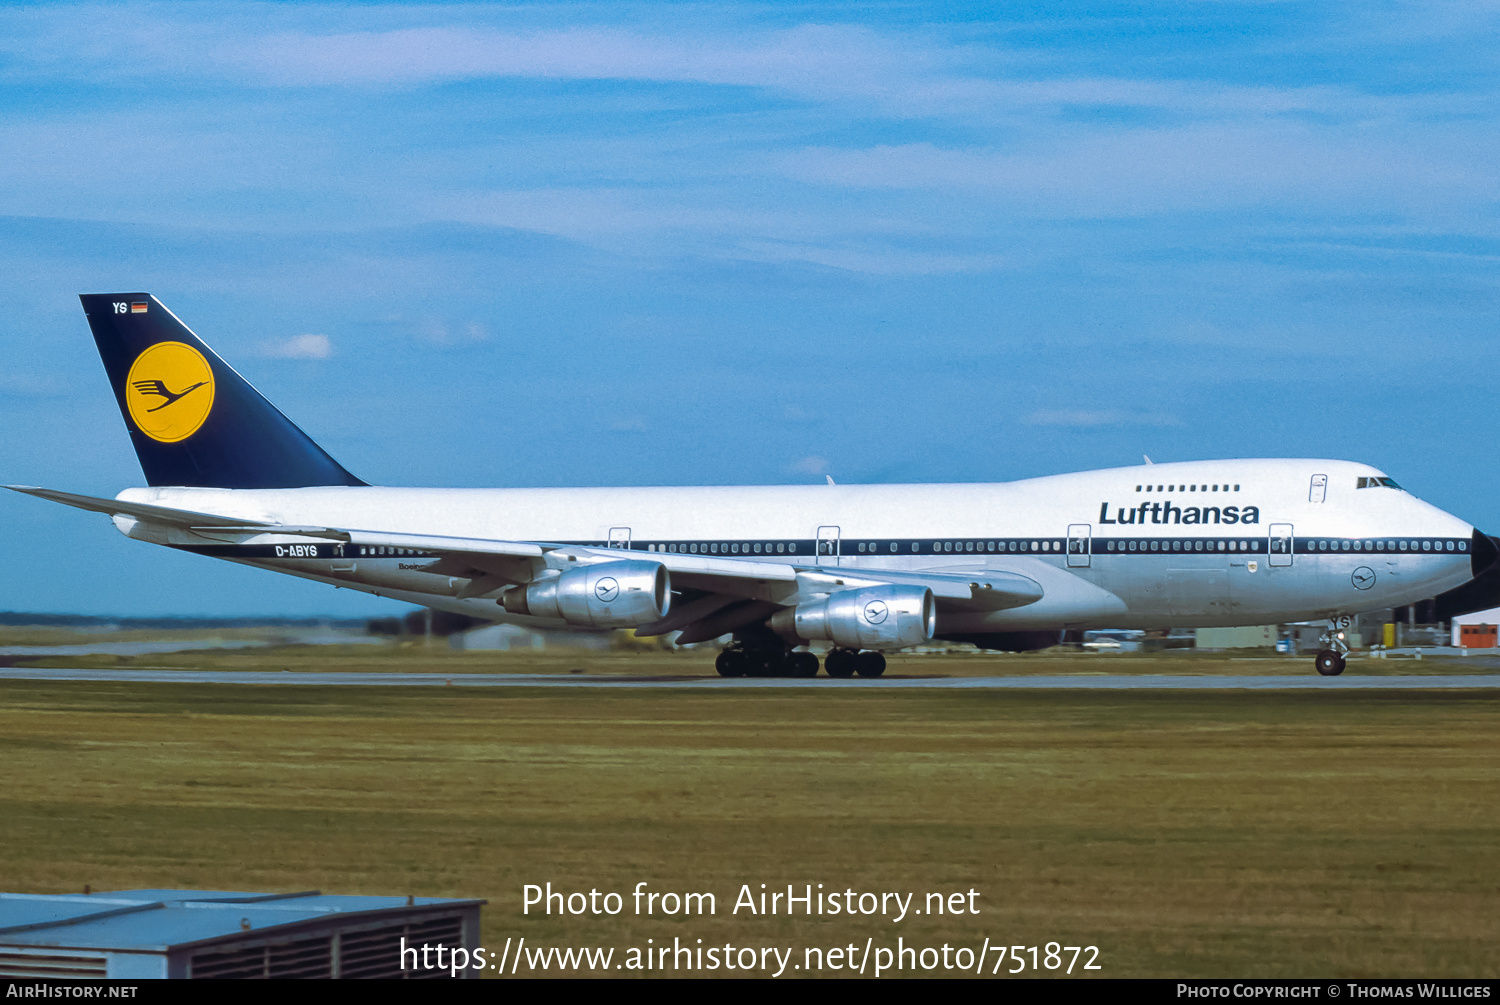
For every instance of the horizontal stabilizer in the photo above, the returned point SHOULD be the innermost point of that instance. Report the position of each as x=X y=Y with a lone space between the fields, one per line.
x=210 y=523
x=141 y=511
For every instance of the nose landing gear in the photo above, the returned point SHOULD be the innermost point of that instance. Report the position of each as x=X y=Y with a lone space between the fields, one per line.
x=1330 y=659
x=1330 y=662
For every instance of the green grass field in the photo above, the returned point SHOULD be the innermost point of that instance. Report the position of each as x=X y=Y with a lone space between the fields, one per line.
x=1183 y=833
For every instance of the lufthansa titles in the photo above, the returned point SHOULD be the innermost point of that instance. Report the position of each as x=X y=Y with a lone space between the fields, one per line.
x=1168 y=512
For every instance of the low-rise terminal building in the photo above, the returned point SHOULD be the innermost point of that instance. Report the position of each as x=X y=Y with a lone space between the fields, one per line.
x=143 y=934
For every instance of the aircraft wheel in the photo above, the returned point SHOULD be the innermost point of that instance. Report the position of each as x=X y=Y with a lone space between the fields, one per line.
x=732 y=663
x=802 y=664
x=1330 y=663
x=870 y=663
x=839 y=663
x=766 y=664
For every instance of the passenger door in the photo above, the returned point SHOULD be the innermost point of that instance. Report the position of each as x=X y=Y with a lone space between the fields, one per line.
x=828 y=546
x=1078 y=545
x=1282 y=545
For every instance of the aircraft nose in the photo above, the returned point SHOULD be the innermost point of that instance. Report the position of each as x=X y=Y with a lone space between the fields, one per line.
x=1483 y=591
x=1483 y=552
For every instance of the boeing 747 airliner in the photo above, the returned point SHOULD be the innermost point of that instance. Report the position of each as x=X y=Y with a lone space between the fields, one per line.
x=869 y=568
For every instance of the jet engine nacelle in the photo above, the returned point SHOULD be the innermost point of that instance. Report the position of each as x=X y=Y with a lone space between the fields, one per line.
x=623 y=594
x=877 y=617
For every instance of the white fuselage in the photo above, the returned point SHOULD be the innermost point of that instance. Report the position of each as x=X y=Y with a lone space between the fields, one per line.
x=1204 y=543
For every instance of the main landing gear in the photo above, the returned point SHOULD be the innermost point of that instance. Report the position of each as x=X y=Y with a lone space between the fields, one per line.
x=756 y=655
x=848 y=662
x=739 y=661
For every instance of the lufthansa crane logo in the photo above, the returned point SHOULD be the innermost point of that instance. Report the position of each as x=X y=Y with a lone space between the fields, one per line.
x=169 y=391
x=876 y=611
x=607 y=589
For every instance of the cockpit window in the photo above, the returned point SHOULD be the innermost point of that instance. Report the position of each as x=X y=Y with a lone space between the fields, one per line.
x=1377 y=483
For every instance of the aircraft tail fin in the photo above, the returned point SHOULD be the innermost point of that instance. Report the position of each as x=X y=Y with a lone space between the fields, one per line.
x=194 y=420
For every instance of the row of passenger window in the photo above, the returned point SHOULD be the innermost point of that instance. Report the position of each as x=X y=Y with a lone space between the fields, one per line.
x=862 y=547
x=1034 y=545
x=1131 y=544
x=1186 y=488
x=1278 y=544
x=1030 y=545
x=729 y=548
x=1398 y=545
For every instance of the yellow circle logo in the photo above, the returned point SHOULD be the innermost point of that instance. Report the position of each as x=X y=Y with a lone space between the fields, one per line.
x=170 y=391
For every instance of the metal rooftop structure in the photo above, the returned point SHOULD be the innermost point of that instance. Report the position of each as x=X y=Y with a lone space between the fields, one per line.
x=131 y=934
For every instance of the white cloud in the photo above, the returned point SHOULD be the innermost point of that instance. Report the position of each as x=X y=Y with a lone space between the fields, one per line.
x=32 y=385
x=908 y=73
x=1084 y=418
x=440 y=332
x=879 y=261
x=299 y=347
x=1133 y=170
x=1038 y=137
x=905 y=72
x=814 y=58
x=813 y=465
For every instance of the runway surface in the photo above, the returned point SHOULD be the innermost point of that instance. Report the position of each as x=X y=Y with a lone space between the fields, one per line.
x=1079 y=683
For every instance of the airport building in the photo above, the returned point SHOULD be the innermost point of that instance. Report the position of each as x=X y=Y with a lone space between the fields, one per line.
x=1413 y=627
x=144 y=934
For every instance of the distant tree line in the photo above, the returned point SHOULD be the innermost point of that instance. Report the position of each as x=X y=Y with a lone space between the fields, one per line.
x=444 y=623
x=9 y=618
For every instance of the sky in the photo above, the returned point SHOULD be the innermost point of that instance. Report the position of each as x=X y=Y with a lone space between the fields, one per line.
x=730 y=243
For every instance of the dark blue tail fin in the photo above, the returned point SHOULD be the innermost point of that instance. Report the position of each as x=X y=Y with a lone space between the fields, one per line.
x=193 y=420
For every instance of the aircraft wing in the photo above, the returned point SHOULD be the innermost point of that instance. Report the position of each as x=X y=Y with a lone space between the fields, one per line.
x=784 y=584
x=983 y=589
x=715 y=591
